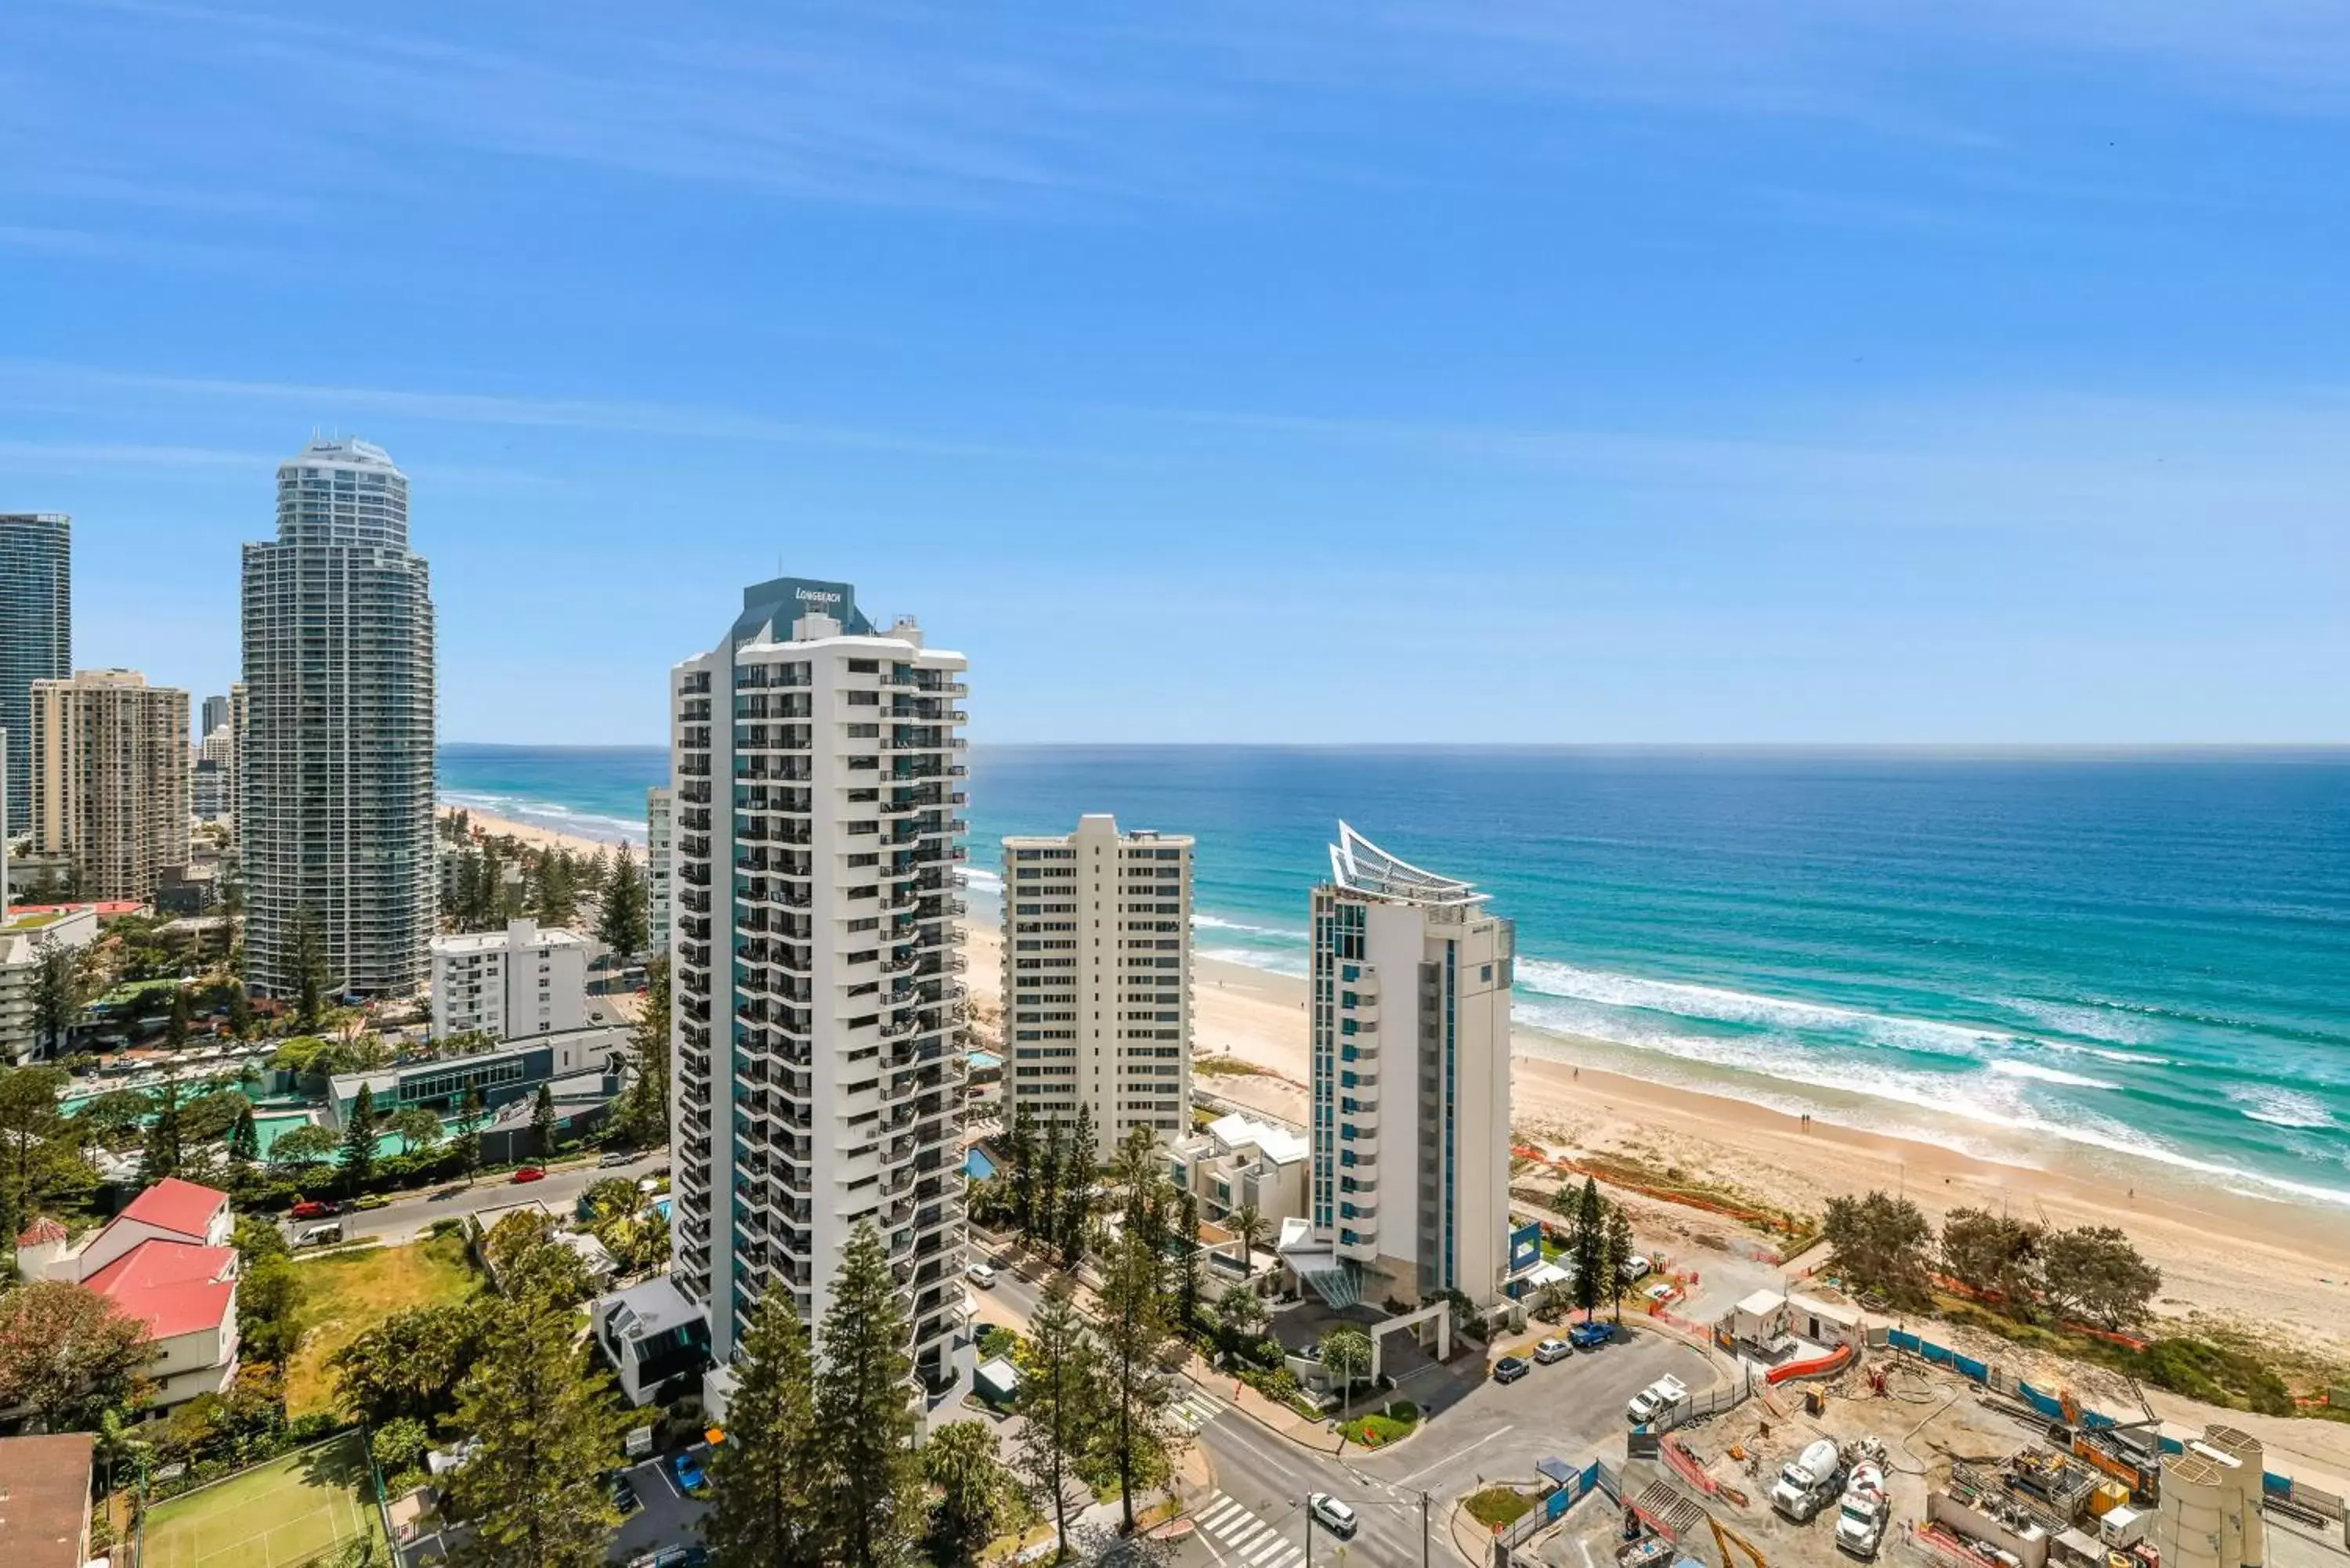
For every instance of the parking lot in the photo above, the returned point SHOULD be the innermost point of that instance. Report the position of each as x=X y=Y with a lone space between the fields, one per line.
x=669 y=1517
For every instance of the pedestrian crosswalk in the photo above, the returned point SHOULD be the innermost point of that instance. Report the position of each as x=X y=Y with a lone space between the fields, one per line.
x=1243 y=1540
x=1195 y=1409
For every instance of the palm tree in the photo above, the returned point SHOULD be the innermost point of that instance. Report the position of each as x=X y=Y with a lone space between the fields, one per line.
x=1247 y=1226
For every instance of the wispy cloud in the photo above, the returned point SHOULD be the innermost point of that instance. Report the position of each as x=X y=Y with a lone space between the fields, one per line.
x=44 y=387
x=83 y=457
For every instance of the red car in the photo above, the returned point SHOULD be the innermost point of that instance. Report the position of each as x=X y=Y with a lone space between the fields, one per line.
x=315 y=1209
x=530 y=1173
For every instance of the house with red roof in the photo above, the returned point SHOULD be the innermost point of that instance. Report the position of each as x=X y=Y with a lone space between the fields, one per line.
x=166 y=1260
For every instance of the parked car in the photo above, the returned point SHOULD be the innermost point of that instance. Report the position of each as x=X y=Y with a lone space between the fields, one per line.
x=530 y=1173
x=324 y=1235
x=691 y=1479
x=315 y=1209
x=1550 y=1350
x=1655 y=1399
x=625 y=1500
x=1590 y=1335
x=1333 y=1515
x=618 y=1156
x=1510 y=1368
x=1635 y=1267
x=980 y=1275
x=371 y=1201
x=672 y=1557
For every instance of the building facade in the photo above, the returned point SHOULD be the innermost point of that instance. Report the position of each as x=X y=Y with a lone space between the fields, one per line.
x=25 y=937
x=818 y=771
x=1411 y=1033
x=336 y=767
x=1098 y=981
x=36 y=637
x=215 y=715
x=509 y=984
x=110 y=780
x=660 y=839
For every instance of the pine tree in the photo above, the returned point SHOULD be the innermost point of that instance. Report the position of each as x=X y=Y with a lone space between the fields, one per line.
x=305 y=955
x=245 y=1139
x=542 y=1121
x=1587 y=1243
x=644 y=1118
x=1059 y=1402
x=1137 y=1433
x=1020 y=1158
x=175 y=1028
x=359 y=1141
x=763 y=1480
x=60 y=989
x=869 y=1497
x=1052 y=1158
x=620 y=920
x=240 y=1013
x=163 y=1135
x=1187 y=1262
x=1619 y=1253
x=546 y=1431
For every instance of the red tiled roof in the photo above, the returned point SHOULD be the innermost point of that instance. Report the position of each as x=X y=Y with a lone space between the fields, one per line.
x=104 y=908
x=180 y=1207
x=41 y=1229
x=173 y=1287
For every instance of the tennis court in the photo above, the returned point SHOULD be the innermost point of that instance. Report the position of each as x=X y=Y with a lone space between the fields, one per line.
x=278 y=1515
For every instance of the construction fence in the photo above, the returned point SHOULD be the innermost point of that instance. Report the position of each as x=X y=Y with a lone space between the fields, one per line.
x=1568 y=1487
x=2055 y=1408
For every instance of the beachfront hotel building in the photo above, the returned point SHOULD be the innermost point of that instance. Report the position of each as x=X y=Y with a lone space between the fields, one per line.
x=1409 y=1190
x=334 y=755
x=111 y=773
x=661 y=839
x=36 y=640
x=818 y=775
x=1098 y=981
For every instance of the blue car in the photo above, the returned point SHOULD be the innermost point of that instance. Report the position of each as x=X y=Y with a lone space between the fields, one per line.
x=1589 y=1336
x=689 y=1478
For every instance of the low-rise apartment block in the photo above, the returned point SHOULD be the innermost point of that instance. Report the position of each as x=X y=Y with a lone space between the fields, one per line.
x=509 y=984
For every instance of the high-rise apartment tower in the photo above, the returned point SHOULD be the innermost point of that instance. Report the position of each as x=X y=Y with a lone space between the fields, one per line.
x=818 y=769
x=110 y=771
x=335 y=774
x=1410 y=1007
x=1098 y=981
x=660 y=843
x=36 y=637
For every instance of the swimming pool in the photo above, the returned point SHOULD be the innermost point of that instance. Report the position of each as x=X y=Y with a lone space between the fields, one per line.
x=976 y=1164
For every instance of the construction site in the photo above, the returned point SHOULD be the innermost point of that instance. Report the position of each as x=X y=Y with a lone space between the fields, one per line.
x=1830 y=1441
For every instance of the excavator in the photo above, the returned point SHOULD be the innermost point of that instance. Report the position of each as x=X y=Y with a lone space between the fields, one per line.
x=1725 y=1538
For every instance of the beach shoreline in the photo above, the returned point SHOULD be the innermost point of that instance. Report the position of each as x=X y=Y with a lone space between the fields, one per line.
x=536 y=836
x=2281 y=1265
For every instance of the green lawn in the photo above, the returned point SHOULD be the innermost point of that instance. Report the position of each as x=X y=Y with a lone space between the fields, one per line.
x=345 y=1293
x=277 y=1515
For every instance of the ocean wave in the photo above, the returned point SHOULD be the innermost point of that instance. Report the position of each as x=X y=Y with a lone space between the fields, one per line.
x=2114 y=1023
x=1716 y=1004
x=1296 y=966
x=1943 y=1096
x=551 y=815
x=982 y=878
x=2040 y=1074
x=1205 y=923
x=2280 y=1107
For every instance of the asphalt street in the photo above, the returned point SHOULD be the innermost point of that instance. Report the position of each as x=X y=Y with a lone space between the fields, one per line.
x=1572 y=1411
x=407 y=1218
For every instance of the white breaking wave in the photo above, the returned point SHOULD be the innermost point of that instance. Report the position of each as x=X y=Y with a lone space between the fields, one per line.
x=1716 y=1004
x=548 y=815
x=2041 y=1075
x=986 y=881
x=1203 y=922
x=2089 y=1020
x=2280 y=1107
x=1294 y=965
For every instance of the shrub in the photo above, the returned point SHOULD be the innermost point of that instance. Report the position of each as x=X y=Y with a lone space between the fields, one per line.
x=1498 y=1505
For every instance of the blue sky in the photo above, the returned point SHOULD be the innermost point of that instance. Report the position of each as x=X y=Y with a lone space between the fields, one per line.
x=1799 y=370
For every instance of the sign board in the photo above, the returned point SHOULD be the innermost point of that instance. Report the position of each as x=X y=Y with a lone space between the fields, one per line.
x=1526 y=1246
x=638 y=1443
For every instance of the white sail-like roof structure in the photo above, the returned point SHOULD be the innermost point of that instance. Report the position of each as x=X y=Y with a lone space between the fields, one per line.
x=1358 y=862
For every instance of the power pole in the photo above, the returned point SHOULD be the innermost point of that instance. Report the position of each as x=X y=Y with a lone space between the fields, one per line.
x=1309 y=1530
x=1423 y=1530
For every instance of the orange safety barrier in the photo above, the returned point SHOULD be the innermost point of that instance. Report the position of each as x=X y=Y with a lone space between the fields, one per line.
x=1818 y=1363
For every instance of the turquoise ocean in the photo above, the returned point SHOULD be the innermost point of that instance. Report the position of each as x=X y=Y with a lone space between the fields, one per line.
x=2117 y=959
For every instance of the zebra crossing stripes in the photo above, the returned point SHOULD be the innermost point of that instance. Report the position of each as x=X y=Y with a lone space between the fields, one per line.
x=1195 y=1411
x=1242 y=1538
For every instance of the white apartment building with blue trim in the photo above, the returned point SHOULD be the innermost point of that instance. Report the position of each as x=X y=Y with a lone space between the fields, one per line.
x=1410 y=1129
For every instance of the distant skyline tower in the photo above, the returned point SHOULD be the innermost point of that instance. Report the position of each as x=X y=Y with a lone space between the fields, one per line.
x=36 y=637
x=110 y=771
x=215 y=715
x=335 y=774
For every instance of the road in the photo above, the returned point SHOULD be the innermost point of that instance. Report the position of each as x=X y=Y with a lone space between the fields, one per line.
x=1572 y=1411
x=407 y=1218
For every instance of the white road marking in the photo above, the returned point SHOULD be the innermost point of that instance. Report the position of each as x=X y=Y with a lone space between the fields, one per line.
x=1439 y=1464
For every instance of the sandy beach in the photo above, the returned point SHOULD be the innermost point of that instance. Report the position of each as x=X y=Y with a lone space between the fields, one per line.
x=540 y=838
x=2281 y=1269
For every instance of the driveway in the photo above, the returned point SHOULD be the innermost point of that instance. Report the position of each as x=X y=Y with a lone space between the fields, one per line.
x=669 y=1517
